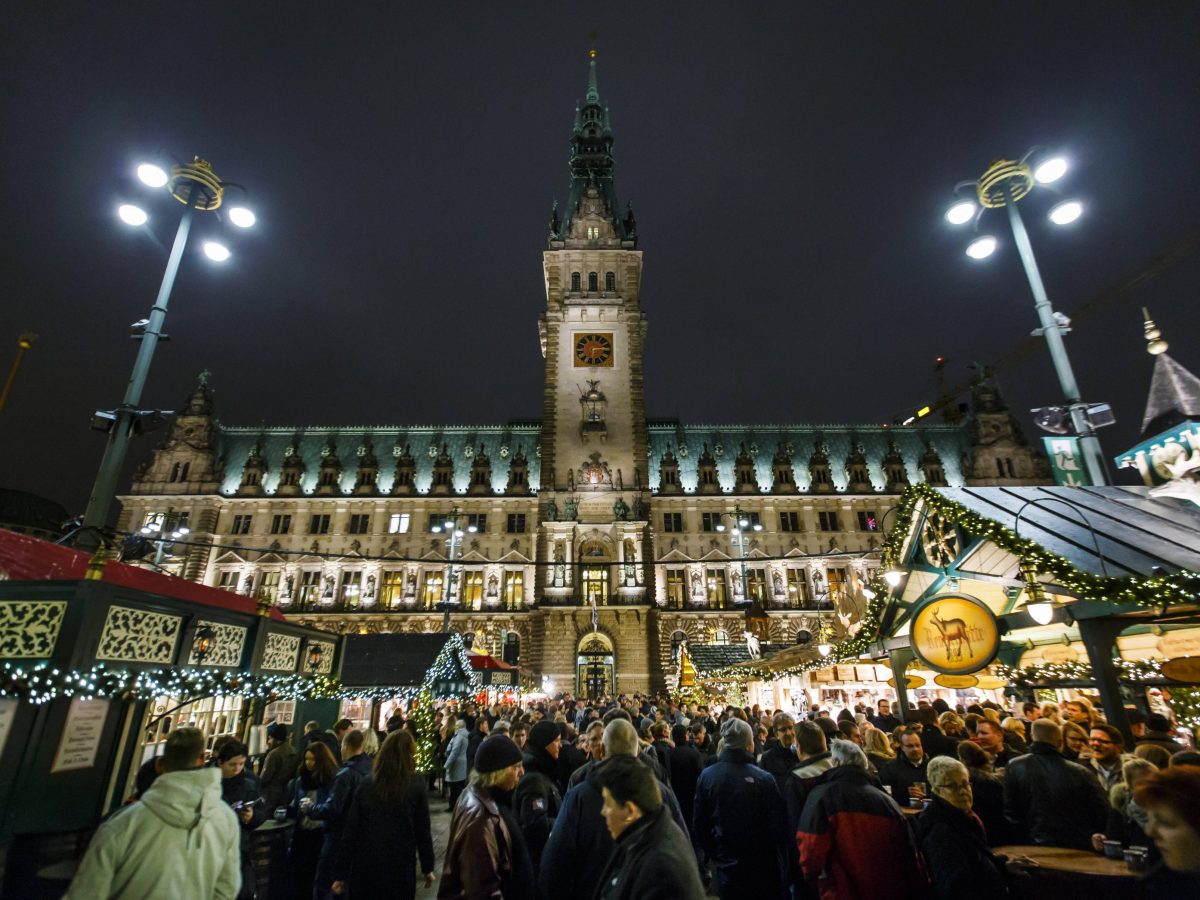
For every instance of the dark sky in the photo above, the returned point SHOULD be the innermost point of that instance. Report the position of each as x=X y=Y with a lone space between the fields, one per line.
x=788 y=163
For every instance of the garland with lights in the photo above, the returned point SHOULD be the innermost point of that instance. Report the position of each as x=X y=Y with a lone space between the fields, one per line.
x=421 y=715
x=42 y=683
x=451 y=665
x=1136 y=670
x=1160 y=590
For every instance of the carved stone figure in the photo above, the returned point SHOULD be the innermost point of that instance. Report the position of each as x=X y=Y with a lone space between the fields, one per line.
x=777 y=583
x=620 y=511
x=551 y=511
x=571 y=510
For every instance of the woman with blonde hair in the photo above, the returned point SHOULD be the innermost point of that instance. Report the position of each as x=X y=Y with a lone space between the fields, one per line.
x=952 y=725
x=1050 y=711
x=1014 y=734
x=877 y=747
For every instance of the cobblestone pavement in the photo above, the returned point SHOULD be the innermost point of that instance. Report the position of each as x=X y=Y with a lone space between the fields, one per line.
x=439 y=821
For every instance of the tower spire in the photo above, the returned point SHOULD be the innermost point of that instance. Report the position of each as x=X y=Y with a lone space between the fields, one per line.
x=593 y=91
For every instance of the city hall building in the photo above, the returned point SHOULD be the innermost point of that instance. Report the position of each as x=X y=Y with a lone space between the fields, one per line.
x=587 y=545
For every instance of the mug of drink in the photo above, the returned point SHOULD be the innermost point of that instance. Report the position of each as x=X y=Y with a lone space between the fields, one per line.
x=1113 y=849
x=281 y=814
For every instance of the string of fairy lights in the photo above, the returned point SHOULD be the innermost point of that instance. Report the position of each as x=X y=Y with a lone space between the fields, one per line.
x=449 y=677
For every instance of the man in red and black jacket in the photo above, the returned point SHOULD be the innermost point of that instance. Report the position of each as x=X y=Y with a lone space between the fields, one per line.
x=853 y=840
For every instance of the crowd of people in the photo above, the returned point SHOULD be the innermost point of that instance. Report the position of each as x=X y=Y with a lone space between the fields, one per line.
x=640 y=797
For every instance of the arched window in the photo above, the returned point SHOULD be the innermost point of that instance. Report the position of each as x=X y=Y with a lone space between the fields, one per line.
x=677 y=639
x=575 y=288
x=610 y=281
x=720 y=636
x=593 y=281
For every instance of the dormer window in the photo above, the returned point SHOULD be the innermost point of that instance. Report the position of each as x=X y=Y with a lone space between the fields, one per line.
x=593 y=232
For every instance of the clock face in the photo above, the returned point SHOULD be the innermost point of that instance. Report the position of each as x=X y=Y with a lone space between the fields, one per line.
x=593 y=349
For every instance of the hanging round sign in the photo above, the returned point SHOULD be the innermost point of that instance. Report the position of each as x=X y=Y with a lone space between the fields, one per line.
x=991 y=682
x=956 y=681
x=1183 y=668
x=911 y=682
x=955 y=634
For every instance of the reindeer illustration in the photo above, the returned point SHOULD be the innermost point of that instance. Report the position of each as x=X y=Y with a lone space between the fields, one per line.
x=953 y=630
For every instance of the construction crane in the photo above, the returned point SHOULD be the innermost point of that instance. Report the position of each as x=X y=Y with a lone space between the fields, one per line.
x=948 y=397
x=24 y=342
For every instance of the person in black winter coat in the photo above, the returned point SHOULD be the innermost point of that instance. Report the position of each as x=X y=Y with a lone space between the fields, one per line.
x=579 y=846
x=739 y=821
x=954 y=841
x=1053 y=802
x=780 y=756
x=387 y=829
x=314 y=732
x=240 y=789
x=537 y=799
x=686 y=766
x=356 y=767
x=476 y=737
x=987 y=793
x=652 y=860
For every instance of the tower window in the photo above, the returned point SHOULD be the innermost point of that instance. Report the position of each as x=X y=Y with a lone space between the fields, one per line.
x=575 y=284
x=828 y=521
x=867 y=520
x=709 y=521
x=789 y=521
x=360 y=523
x=241 y=524
x=516 y=523
x=673 y=521
x=593 y=282
x=610 y=281
x=398 y=523
x=593 y=232
x=318 y=524
x=281 y=524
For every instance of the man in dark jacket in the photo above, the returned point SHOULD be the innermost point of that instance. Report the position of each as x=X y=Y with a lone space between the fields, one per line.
x=475 y=738
x=579 y=845
x=652 y=860
x=660 y=743
x=779 y=758
x=739 y=822
x=279 y=767
x=686 y=766
x=356 y=766
x=852 y=838
x=905 y=774
x=1158 y=731
x=933 y=739
x=314 y=732
x=537 y=799
x=240 y=789
x=1052 y=802
x=570 y=757
x=884 y=720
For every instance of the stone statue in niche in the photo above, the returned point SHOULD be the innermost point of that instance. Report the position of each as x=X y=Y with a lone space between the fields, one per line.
x=410 y=585
x=289 y=584
x=697 y=586
x=570 y=479
x=630 y=562
x=777 y=583
x=571 y=510
x=560 y=565
x=370 y=587
x=620 y=511
x=619 y=482
x=736 y=580
x=493 y=586
x=639 y=510
x=551 y=511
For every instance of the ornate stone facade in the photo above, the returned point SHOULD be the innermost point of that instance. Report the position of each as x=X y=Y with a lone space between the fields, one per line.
x=593 y=540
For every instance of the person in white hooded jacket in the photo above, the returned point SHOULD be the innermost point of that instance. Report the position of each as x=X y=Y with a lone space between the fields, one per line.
x=180 y=840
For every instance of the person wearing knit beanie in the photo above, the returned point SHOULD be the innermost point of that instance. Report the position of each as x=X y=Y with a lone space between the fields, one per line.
x=495 y=753
x=542 y=735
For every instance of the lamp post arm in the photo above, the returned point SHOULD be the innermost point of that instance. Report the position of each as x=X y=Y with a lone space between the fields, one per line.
x=1071 y=506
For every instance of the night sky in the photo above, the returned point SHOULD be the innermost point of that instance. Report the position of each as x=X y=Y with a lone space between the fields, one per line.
x=788 y=164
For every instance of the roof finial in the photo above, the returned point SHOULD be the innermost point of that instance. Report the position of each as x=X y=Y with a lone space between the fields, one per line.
x=593 y=92
x=1155 y=344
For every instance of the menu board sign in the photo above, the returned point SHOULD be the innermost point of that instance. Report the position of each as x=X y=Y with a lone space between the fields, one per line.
x=81 y=735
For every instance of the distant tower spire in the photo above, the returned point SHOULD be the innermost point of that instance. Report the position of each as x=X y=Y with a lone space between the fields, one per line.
x=1155 y=345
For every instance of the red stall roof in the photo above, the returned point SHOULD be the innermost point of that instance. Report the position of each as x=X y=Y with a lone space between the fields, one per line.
x=484 y=661
x=25 y=558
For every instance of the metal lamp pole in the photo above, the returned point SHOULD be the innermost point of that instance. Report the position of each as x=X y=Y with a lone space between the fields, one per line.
x=1005 y=183
x=455 y=533
x=741 y=522
x=197 y=187
x=1089 y=443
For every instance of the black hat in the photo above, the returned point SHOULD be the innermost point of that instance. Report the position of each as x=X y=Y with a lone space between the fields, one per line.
x=543 y=734
x=278 y=731
x=1158 y=722
x=495 y=753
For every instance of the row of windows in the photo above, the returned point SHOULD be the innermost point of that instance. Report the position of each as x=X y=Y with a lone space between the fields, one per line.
x=827 y=520
x=593 y=281
x=360 y=523
x=791 y=590
x=314 y=591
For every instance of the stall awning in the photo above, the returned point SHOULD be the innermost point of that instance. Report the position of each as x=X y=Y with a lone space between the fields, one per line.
x=25 y=558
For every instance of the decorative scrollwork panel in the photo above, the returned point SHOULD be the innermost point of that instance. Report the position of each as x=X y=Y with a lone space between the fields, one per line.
x=228 y=641
x=138 y=635
x=29 y=628
x=280 y=653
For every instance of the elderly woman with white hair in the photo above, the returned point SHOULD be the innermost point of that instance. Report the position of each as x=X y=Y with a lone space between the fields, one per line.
x=954 y=841
x=456 y=762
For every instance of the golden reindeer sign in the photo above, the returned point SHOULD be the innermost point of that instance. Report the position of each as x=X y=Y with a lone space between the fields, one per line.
x=955 y=634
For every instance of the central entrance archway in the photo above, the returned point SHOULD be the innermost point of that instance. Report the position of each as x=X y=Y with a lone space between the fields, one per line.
x=595 y=672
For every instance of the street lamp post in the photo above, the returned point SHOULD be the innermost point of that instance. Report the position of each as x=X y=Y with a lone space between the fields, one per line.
x=1004 y=184
x=741 y=522
x=450 y=525
x=198 y=188
x=160 y=525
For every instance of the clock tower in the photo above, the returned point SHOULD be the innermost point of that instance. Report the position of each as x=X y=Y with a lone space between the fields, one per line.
x=593 y=441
